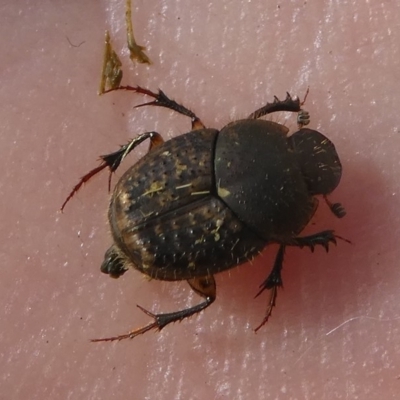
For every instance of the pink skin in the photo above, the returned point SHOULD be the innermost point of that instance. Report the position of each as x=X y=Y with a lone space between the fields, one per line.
x=334 y=332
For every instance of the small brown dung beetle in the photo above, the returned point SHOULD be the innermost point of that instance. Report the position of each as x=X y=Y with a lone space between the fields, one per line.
x=210 y=199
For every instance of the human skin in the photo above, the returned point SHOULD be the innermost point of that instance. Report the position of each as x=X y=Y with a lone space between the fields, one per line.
x=334 y=333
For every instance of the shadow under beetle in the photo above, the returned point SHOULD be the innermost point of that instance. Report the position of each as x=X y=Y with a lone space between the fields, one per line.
x=209 y=200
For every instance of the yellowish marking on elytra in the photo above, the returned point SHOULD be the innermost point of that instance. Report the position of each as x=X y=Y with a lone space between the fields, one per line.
x=215 y=232
x=222 y=192
x=183 y=186
x=154 y=188
x=200 y=193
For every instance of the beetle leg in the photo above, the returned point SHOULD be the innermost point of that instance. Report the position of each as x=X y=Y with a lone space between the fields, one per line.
x=273 y=281
x=289 y=104
x=323 y=238
x=204 y=286
x=162 y=100
x=113 y=160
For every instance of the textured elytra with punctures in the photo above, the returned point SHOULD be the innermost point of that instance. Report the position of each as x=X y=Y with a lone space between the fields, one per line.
x=167 y=218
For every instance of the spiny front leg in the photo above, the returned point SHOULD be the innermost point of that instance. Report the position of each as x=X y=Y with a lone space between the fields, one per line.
x=289 y=104
x=204 y=286
x=323 y=239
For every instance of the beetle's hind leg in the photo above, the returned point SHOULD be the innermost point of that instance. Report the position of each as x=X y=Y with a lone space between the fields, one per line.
x=162 y=100
x=204 y=286
x=113 y=160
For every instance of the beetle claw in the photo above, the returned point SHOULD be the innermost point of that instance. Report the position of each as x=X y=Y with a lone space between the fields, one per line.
x=129 y=335
x=136 y=332
x=150 y=103
x=271 y=305
x=82 y=181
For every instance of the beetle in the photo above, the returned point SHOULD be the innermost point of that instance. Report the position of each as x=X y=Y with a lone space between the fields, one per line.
x=209 y=200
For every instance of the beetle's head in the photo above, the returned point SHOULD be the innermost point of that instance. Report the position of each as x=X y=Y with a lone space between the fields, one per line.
x=318 y=160
x=113 y=264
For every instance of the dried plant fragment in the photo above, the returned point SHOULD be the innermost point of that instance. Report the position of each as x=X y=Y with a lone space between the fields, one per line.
x=111 y=74
x=135 y=50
